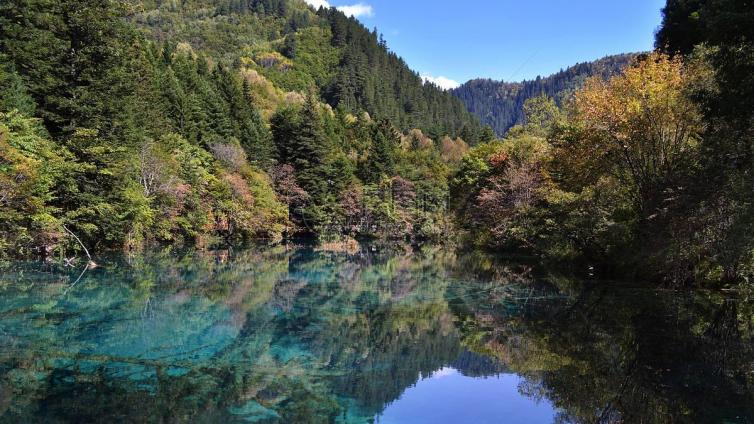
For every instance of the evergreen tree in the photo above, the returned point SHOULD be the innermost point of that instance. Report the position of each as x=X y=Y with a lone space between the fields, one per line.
x=371 y=78
x=74 y=57
x=309 y=152
x=284 y=125
x=301 y=142
x=487 y=135
x=381 y=159
x=246 y=121
x=13 y=92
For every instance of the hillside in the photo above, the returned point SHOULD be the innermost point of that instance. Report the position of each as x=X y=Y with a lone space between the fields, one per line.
x=500 y=104
x=130 y=124
x=296 y=48
x=133 y=123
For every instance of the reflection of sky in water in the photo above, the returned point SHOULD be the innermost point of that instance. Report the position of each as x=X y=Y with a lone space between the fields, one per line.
x=447 y=396
x=298 y=336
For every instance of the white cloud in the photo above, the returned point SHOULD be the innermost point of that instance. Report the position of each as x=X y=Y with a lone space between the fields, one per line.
x=443 y=372
x=442 y=82
x=357 y=10
x=318 y=3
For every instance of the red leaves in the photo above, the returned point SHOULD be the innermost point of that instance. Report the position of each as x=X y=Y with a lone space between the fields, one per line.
x=499 y=159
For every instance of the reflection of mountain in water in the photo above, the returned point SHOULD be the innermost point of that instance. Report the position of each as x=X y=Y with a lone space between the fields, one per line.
x=610 y=354
x=304 y=336
x=272 y=335
x=473 y=364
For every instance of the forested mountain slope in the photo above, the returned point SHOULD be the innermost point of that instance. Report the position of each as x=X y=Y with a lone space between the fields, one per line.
x=296 y=48
x=646 y=174
x=130 y=123
x=500 y=104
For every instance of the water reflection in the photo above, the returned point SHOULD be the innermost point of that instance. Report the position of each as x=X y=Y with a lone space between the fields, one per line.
x=299 y=335
x=449 y=396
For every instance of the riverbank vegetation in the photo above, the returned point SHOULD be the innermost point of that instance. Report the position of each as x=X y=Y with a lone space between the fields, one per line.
x=134 y=123
x=646 y=174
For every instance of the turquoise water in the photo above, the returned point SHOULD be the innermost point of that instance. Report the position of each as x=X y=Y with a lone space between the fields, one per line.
x=275 y=334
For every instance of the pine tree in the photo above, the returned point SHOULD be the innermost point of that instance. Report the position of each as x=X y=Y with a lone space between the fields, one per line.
x=381 y=159
x=245 y=119
x=309 y=152
x=487 y=135
x=13 y=93
x=284 y=125
x=74 y=57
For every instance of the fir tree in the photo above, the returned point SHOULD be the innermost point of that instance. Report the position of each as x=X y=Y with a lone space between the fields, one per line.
x=381 y=159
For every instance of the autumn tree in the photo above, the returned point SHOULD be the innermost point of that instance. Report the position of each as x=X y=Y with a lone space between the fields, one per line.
x=31 y=170
x=640 y=127
x=453 y=150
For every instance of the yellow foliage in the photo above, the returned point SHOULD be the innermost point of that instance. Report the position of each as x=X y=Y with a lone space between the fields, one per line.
x=641 y=125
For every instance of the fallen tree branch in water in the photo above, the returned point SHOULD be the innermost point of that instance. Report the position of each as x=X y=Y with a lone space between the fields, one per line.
x=91 y=263
x=78 y=240
x=77 y=280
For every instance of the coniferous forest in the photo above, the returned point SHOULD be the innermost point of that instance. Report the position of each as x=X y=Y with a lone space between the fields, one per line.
x=133 y=122
x=500 y=104
x=126 y=124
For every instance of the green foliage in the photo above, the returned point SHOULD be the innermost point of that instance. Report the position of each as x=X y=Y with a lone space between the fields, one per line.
x=370 y=78
x=162 y=111
x=13 y=92
x=184 y=122
x=500 y=104
x=138 y=149
x=380 y=161
x=31 y=170
x=74 y=58
x=499 y=189
x=716 y=37
x=627 y=177
x=296 y=48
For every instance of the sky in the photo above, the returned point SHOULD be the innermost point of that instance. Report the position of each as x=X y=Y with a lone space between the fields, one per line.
x=452 y=42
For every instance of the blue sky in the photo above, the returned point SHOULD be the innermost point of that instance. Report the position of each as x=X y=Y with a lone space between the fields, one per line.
x=506 y=39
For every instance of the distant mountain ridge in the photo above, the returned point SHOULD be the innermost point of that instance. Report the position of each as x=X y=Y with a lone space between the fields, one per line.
x=499 y=104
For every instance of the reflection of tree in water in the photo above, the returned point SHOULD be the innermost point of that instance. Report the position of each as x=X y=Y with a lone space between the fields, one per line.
x=375 y=336
x=276 y=335
x=612 y=354
x=297 y=336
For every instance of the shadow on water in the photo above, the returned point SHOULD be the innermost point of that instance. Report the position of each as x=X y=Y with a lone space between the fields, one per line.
x=281 y=334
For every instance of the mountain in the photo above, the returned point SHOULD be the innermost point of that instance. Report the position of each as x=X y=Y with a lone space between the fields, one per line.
x=297 y=48
x=500 y=104
x=132 y=123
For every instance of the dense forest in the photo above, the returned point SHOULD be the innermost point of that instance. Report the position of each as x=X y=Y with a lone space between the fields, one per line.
x=125 y=124
x=500 y=104
x=647 y=174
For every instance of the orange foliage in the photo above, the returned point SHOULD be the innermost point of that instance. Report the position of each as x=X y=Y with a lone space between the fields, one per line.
x=240 y=188
x=498 y=159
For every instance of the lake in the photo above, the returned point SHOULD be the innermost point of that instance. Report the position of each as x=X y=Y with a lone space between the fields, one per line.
x=368 y=335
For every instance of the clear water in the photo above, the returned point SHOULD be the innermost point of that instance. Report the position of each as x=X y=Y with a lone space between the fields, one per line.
x=273 y=335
